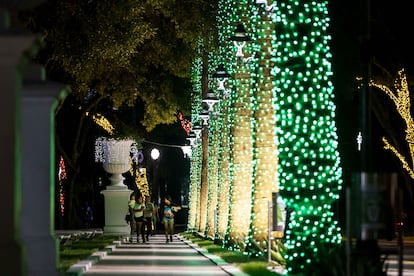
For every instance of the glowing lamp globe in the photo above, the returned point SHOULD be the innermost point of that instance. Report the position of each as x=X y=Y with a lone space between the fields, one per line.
x=155 y=154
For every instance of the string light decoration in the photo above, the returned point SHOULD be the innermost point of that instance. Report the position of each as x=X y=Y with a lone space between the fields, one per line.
x=277 y=130
x=194 y=190
x=195 y=168
x=265 y=157
x=223 y=165
x=103 y=122
x=185 y=123
x=402 y=101
x=202 y=221
x=212 y=179
x=225 y=121
x=242 y=150
x=141 y=182
x=309 y=163
x=62 y=176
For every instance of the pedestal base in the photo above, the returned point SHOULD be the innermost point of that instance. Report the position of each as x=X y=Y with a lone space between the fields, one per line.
x=116 y=207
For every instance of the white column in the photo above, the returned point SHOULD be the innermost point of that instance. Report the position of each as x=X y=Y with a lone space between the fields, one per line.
x=38 y=172
x=12 y=258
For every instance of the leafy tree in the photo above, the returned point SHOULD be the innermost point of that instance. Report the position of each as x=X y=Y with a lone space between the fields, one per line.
x=125 y=50
x=116 y=55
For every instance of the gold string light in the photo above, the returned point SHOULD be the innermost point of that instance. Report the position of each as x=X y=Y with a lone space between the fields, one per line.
x=400 y=96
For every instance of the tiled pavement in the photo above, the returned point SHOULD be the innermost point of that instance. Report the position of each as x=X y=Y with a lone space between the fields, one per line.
x=155 y=257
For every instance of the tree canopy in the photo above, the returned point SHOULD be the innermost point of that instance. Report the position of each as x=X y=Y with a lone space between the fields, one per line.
x=118 y=57
x=125 y=50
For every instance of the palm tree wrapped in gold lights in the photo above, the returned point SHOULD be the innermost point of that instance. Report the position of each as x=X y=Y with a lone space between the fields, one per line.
x=399 y=94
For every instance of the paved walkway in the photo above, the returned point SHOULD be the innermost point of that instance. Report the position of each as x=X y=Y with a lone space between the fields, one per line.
x=155 y=257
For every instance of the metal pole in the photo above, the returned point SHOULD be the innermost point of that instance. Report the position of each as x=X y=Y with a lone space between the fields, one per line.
x=348 y=231
x=269 y=236
x=215 y=224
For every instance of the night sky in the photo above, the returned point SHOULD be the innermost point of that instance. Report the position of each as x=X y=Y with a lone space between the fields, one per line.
x=171 y=170
x=380 y=33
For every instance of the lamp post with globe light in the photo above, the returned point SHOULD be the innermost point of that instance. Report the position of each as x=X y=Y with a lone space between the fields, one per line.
x=155 y=155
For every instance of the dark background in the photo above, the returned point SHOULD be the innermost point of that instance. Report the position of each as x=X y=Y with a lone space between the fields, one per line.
x=364 y=33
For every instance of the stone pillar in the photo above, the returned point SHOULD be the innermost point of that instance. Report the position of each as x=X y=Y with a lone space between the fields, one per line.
x=116 y=207
x=12 y=257
x=38 y=172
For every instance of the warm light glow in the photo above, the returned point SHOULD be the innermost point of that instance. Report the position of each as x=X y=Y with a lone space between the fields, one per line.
x=141 y=180
x=400 y=96
x=276 y=131
x=195 y=168
x=155 y=154
x=102 y=122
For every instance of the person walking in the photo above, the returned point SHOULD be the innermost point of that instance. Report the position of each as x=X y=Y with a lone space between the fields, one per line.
x=138 y=211
x=155 y=217
x=148 y=212
x=87 y=215
x=169 y=208
x=131 y=220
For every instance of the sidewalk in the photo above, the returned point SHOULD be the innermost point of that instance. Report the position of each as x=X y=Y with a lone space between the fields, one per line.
x=155 y=257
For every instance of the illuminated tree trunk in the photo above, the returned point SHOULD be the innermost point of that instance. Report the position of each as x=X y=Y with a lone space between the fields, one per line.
x=265 y=170
x=241 y=128
x=224 y=174
x=204 y=184
x=226 y=8
x=195 y=169
x=194 y=189
x=309 y=162
x=212 y=179
x=204 y=161
x=241 y=189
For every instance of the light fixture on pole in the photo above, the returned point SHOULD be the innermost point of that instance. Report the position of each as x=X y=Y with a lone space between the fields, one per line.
x=192 y=138
x=267 y=6
x=186 y=151
x=239 y=39
x=155 y=154
x=205 y=116
x=197 y=130
x=221 y=75
x=210 y=99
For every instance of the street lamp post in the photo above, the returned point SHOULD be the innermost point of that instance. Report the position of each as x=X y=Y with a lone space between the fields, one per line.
x=155 y=155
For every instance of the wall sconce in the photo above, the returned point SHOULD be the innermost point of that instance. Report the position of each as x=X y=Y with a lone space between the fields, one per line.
x=205 y=116
x=239 y=39
x=267 y=6
x=210 y=99
x=221 y=76
x=186 y=151
x=197 y=130
x=192 y=137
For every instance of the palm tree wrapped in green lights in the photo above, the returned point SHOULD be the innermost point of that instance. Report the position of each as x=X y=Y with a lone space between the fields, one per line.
x=309 y=164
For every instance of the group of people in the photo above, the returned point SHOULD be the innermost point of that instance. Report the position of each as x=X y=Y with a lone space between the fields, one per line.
x=144 y=217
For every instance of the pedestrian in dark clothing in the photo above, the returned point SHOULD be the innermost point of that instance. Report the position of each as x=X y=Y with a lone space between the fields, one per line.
x=169 y=208
x=148 y=212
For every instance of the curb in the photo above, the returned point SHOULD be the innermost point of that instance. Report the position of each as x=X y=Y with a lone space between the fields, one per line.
x=83 y=266
x=229 y=268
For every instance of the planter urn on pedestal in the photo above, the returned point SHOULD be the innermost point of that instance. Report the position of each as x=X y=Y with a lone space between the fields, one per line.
x=116 y=157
